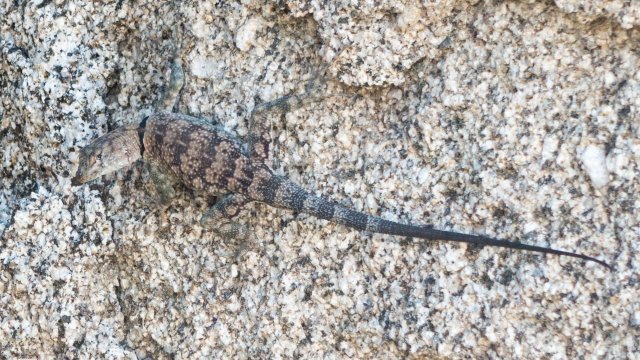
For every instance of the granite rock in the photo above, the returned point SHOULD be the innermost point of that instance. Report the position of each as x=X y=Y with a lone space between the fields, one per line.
x=516 y=119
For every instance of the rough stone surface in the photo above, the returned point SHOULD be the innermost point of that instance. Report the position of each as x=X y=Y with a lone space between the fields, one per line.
x=514 y=119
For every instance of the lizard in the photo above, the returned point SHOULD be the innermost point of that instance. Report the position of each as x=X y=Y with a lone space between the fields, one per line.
x=214 y=162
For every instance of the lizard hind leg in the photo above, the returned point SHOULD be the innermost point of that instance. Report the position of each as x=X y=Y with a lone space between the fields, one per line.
x=219 y=218
x=260 y=121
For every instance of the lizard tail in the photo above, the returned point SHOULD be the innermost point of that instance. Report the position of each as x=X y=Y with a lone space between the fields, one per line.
x=286 y=194
x=374 y=224
x=393 y=228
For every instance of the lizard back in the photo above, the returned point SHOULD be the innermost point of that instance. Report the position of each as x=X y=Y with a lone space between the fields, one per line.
x=200 y=155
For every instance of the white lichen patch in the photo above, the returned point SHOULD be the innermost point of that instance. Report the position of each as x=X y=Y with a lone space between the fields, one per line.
x=593 y=159
x=246 y=35
x=205 y=67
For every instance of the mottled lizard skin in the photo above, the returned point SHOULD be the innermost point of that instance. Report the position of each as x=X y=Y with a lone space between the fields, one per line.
x=213 y=162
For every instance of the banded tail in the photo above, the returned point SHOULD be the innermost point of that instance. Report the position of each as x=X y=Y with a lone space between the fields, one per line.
x=281 y=192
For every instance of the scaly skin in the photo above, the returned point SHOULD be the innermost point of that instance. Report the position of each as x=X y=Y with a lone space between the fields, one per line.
x=214 y=162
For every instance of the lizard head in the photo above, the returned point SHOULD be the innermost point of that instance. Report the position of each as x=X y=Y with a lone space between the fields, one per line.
x=107 y=154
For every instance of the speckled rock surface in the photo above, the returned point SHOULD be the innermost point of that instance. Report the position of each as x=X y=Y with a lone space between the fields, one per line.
x=519 y=120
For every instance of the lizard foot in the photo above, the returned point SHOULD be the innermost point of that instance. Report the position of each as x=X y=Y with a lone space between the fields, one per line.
x=218 y=219
x=235 y=239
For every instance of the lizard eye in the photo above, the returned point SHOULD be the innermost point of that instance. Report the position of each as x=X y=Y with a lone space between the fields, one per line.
x=99 y=157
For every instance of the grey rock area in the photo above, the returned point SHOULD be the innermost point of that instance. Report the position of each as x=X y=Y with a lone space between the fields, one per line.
x=515 y=119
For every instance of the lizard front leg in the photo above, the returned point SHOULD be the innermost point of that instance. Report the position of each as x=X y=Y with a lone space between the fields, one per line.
x=176 y=81
x=164 y=187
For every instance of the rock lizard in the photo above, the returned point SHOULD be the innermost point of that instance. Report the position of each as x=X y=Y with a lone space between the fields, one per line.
x=214 y=162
